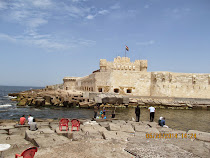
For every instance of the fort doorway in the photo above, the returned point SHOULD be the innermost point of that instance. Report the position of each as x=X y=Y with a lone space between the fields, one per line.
x=99 y=89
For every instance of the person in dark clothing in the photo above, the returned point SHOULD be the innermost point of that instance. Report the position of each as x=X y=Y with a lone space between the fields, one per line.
x=137 y=112
x=95 y=113
x=113 y=114
x=104 y=111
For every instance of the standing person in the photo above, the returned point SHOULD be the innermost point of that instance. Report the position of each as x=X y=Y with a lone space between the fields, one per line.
x=22 y=120
x=95 y=113
x=137 y=112
x=152 y=113
x=104 y=111
x=30 y=119
x=113 y=114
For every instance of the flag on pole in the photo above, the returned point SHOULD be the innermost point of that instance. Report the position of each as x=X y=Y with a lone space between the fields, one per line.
x=126 y=48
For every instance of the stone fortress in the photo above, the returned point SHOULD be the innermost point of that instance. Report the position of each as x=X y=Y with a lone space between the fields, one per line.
x=132 y=78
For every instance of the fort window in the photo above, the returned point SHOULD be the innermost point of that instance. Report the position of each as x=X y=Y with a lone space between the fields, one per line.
x=129 y=90
x=99 y=89
x=163 y=79
x=116 y=90
x=66 y=88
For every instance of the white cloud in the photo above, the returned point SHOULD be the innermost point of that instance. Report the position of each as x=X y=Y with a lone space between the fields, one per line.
x=103 y=12
x=88 y=43
x=36 y=22
x=177 y=13
x=6 y=37
x=115 y=6
x=132 y=13
x=146 y=43
x=19 y=15
x=42 y=3
x=90 y=17
x=33 y=14
x=47 y=42
x=75 y=11
x=3 y=5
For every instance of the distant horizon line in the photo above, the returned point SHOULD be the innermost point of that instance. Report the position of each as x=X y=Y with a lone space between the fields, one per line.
x=21 y=86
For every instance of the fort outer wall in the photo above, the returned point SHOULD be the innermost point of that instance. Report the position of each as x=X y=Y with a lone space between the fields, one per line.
x=180 y=85
x=131 y=78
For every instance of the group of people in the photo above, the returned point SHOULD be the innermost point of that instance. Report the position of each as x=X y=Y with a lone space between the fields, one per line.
x=31 y=122
x=138 y=112
x=102 y=113
x=151 y=109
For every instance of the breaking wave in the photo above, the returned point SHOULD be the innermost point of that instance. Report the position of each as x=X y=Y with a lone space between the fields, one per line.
x=5 y=105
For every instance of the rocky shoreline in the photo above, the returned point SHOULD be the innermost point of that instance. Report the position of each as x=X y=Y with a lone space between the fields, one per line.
x=68 y=98
x=104 y=138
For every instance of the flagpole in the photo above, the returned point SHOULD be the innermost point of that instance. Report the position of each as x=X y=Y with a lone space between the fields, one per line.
x=125 y=52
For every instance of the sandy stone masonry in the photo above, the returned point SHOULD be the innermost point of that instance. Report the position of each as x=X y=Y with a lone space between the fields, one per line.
x=131 y=78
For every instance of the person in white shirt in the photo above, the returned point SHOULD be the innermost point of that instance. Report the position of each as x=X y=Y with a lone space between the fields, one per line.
x=152 y=113
x=33 y=126
x=30 y=119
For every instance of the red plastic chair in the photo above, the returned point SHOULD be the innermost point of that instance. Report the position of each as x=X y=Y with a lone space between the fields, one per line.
x=75 y=123
x=28 y=153
x=63 y=122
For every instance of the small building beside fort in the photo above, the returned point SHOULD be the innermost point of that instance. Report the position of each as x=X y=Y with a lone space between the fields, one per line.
x=132 y=78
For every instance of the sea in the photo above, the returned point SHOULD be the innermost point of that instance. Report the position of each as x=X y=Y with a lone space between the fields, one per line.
x=195 y=119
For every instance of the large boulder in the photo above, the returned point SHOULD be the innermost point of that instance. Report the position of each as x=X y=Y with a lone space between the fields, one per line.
x=47 y=100
x=23 y=102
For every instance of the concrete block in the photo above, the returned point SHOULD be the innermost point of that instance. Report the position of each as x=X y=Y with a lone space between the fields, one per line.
x=67 y=134
x=45 y=130
x=79 y=135
x=140 y=134
x=104 y=124
x=118 y=135
x=127 y=128
x=119 y=122
x=50 y=140
x=114 y=127
x=146 y=129
x=203 y=136
x=110 y=135
x=164 y=130
x=53 y=125
x=43 y=124
x=30 y=136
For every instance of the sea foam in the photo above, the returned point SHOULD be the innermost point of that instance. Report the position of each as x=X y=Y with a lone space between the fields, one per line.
x=5 y=105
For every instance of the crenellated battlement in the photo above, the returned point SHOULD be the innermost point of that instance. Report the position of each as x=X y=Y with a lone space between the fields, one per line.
x=123 y=63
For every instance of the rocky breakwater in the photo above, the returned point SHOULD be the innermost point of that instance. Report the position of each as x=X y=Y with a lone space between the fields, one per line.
x=105 y=138
x=47 y=97
x=73 y=98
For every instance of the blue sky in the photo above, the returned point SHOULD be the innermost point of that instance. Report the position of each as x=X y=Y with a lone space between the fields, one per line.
x=42 y=41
